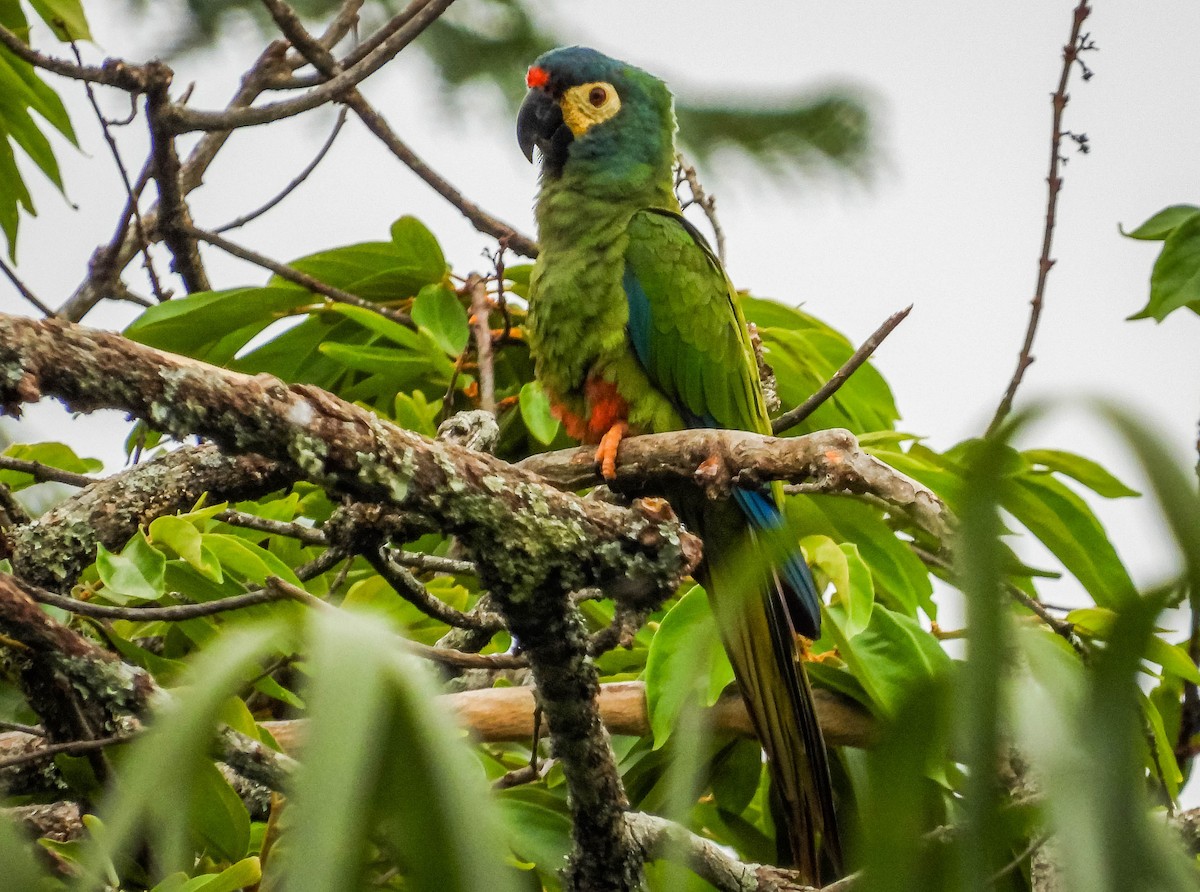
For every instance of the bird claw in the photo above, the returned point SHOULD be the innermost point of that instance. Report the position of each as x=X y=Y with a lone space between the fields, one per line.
x=606 y=452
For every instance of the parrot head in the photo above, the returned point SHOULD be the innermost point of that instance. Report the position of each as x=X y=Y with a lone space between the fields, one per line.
x=588 y=111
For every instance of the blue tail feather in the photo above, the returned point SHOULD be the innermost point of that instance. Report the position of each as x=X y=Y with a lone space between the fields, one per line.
x=800 y=595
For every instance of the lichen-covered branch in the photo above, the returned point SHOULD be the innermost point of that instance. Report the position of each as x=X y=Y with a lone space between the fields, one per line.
x=524 y=535
x=657 y=838
x=81 y=691
x=54 y=549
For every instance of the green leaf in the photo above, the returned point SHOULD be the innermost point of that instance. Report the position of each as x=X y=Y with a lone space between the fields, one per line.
x=247 y=560
x=13 y=195
x=196 y=325
x=382 y=325
x=185 y=540
x=686 y=663
x=16 y=98
x=1098 y=622
x=245 y=873
x=1158 y=227
x=409 y=783
x=889 y=656
x=1175 y=280
x=396 y=364
x=218 y=817
x=419 y=248
x=174 y=754
x=535 y=412
x=1068 y=527
x=1084 y=470
x=537 y=833
x=1164 y=764
x=21 y=869
x=860 y=591
x=415 y=413
x=438 y=311
x=65 y=18
x=137 y=573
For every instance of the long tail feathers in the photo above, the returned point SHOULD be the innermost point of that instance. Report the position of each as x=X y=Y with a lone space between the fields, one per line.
x=751 y=606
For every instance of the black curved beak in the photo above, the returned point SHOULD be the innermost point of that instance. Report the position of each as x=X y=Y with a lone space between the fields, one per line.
x=539 y=123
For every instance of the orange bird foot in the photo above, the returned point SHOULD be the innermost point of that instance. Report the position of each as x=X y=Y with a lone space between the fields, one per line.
x=606 y=452
x=828 y=656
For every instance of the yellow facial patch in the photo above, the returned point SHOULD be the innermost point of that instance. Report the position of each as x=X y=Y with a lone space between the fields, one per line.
x=586 y=105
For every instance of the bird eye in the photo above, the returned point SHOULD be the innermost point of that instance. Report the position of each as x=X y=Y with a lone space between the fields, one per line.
x=598 y=96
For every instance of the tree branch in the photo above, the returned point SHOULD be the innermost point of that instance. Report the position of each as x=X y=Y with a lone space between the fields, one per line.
x=1058 y=102
x=791 y=418
x=321 y=59
x=174 y=220
x=716 y=460
x=497 y=715
x=53 y=550
x=522 y=533
x=291 y=274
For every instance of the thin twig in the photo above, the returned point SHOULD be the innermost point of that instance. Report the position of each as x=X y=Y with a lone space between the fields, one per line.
x=501 y=297
x=364 y=49
x=305 y=534
x=291 y=274
x=296 y=181
x=108 y=260
x=1058 y=102
x=23 y=290
x=173 y=613
x=324 y=62
x=442 y=655
x=335 y=89
x=686 y=173
x=139 y=224
x=481 y=329
x=44 y=473
x=431 y=562
x=72 y=746
x=410 y=589
x=32 y=730
x=794 y=416
x=1060 y=627
x=113 y=73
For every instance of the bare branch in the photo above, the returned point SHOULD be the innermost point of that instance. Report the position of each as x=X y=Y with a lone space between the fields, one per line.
x=482 y=332
x=294 y=275
x=792 y=417
x=324 y=62
x=408 y=587
x=296 y=182
x=183 y=120
x=1058 y=102
x=132 y=197
x=686 y=173
x=173 y=216
x=521 y=532
x=113 y=73
x=23 y=290
x=831 y=459
x=496 y=715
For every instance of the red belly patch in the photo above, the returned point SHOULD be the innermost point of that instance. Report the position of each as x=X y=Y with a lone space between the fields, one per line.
x=605 y=408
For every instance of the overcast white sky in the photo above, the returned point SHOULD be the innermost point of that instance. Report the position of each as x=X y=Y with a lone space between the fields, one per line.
x=951 y=220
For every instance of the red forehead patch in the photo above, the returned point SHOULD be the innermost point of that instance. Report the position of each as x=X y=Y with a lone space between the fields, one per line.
x=537 y=77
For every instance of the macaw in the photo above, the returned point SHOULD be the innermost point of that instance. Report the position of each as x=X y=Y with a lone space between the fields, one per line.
x=635 y=328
